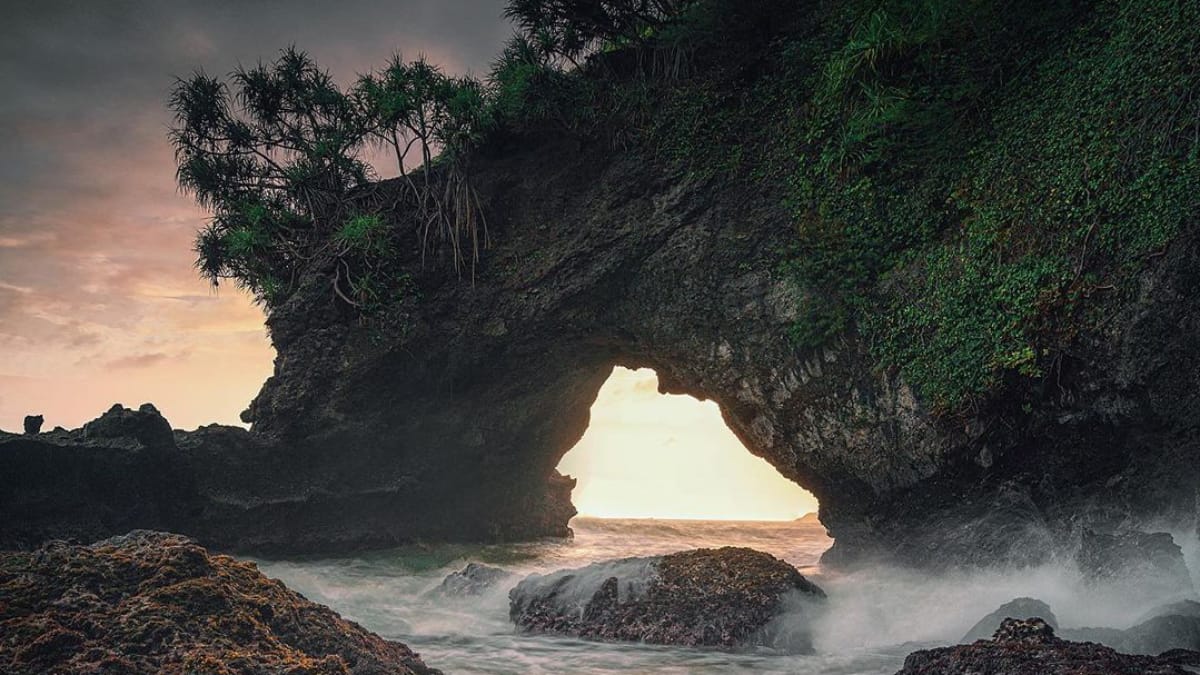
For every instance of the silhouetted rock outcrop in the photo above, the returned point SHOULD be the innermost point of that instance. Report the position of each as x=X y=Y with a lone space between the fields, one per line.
x=120 y=472
x=1020 y=608
x=725 y=597
x=151 y=602
x=1030 y=647
x=33 y=424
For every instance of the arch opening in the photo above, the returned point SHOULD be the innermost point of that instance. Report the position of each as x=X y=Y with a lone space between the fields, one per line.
x=652 y=455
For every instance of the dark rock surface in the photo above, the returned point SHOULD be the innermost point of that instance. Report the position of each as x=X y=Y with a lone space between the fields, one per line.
x=603 y=259
x=1155 y=635
x=151 y=602
x=1030 y=647
x=120 y=472
x=1020 y=608
x=727 y=597
x=472 y=580
x=1151 y=561
x=33 y=424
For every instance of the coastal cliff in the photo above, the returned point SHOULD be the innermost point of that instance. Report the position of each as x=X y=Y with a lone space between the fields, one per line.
x=950 y=292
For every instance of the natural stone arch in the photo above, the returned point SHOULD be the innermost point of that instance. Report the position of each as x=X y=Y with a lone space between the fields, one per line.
x=448 y=423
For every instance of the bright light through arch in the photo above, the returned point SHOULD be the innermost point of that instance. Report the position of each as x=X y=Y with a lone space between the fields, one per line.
x=649 y=455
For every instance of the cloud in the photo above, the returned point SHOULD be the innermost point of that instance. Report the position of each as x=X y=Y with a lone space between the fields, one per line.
x=137 y=361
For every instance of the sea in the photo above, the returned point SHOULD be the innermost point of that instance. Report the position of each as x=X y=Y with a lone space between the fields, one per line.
x=874 y=618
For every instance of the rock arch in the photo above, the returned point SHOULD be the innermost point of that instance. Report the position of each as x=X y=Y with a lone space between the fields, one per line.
x=451 y=426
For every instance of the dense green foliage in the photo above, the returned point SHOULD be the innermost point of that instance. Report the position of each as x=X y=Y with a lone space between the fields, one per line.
x=965 y=178
x=275 y=153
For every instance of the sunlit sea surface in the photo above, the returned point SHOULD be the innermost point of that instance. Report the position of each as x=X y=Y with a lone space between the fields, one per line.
x=875 y=617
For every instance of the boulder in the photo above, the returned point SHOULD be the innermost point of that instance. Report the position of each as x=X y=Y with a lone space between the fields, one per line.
x=151 y=602
x=727 y=597
x=472 y=580
x=33 y=424
x=1020 y=608
x=1030 y=647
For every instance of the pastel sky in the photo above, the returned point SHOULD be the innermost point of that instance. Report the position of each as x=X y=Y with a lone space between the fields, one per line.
x=98 y=299
x=99 y=303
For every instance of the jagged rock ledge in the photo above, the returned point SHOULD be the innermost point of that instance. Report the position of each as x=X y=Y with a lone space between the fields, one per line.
x=151 y=602
x=1030 y=647
x=232 y=490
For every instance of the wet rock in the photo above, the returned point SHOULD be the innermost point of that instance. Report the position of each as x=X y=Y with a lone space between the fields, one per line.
x=472 y=580
x=1030 y=647
x=33 y=424
x=1151 y=561
x=1020 y=608
x=727 y=597
x=151 y=602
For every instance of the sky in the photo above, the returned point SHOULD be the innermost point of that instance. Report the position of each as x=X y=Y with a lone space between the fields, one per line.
x=647 y=454
x=99 y=303
x=98 y=299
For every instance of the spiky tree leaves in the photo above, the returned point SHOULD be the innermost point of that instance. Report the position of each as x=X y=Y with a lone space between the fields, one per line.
x=414 y=106
x=572 y=29
x=272 y=153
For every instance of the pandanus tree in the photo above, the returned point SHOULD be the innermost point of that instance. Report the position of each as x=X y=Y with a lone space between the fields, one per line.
x=273 y=154
x=572 y=29
x=413 y=107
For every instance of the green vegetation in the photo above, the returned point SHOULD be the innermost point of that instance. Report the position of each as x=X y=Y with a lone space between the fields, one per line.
x=965 y=178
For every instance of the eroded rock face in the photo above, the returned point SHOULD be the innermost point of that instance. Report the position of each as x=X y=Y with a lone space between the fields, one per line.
x=152 y=602
x=601 y=259
x=727 y=597
x=446 y=421
x=1030 y=647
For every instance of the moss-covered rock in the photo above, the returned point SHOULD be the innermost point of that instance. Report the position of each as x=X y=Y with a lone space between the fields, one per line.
x=151 y=602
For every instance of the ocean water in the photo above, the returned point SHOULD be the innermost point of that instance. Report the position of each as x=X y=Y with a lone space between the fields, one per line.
x=874 y=618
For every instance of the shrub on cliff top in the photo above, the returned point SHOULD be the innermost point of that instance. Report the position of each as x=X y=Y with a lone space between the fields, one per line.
x=275 y=153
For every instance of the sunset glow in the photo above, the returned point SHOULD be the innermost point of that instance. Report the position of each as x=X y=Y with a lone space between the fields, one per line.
x=649 y=455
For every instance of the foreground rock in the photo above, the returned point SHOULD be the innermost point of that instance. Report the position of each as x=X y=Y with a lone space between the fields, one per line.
x=1029 y=647
x=151 y=602
x=727 y=597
